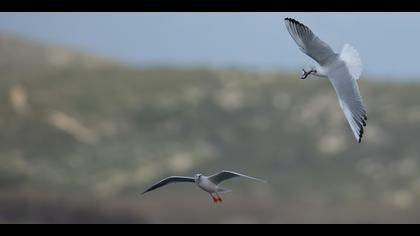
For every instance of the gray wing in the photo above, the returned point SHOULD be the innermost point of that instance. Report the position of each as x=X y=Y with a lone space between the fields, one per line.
x=225 y=175
x=350 y=100
x=308 y=42
x=170 y=180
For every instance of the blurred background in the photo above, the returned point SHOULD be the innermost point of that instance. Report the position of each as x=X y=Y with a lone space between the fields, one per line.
x=95 y=107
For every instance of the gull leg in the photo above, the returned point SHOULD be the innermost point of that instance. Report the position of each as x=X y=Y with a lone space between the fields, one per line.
x=219 y=198
x=215 y=200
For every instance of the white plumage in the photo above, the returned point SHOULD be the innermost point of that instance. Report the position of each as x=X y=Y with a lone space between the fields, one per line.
x=352 y=59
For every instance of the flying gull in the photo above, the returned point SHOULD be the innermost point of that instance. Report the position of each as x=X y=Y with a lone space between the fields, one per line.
x=343 y=70
x=209 y=184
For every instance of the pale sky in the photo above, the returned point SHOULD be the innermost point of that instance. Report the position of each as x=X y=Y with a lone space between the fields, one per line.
x=387 y=42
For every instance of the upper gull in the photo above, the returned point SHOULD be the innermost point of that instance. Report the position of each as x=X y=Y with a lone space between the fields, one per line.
x=343 y=70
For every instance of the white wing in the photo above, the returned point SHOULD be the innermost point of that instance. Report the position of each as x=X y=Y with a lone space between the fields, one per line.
x=350 y=99
x=225 y=175
x=170 y=180
x=308 y=42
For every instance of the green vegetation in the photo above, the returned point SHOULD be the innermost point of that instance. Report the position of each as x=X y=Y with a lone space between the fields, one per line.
x=81 y=139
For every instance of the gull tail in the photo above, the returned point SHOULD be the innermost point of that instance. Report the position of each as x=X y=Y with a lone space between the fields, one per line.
x=351 y=57
x=223 y=190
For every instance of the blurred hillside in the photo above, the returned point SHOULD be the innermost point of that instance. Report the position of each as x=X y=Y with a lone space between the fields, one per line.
x=82 y=136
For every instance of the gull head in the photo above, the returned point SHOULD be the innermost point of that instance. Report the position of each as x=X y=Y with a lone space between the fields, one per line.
x=306 y=73
x=197 y=177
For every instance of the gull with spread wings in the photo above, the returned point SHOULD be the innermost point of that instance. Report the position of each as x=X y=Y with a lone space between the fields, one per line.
x=209 y=184
x=343 y=70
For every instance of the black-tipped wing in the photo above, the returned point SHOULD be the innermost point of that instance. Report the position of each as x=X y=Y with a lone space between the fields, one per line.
x=170 y=180
x=350 y=100
x=225 y=175
x=308 y=42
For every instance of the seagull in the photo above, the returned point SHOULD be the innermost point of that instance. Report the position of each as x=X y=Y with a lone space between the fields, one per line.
x=343 y=70
x=209 y=184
